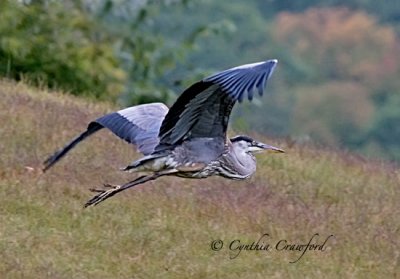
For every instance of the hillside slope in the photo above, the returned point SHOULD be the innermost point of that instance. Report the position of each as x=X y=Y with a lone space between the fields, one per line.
x=164 y=229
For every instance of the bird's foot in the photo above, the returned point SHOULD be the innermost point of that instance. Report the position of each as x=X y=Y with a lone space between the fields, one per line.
x=103 y=194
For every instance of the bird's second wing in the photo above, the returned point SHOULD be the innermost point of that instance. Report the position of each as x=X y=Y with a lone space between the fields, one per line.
x=138 y=125
x=203 y=109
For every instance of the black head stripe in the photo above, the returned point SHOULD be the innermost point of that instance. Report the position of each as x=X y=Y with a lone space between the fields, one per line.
x=244 y=138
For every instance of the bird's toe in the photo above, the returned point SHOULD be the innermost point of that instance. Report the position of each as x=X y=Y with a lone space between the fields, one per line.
x=107 y=185
x=103 y=194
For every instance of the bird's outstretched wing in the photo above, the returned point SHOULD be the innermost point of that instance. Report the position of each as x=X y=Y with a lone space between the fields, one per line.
x=138 y=125
x=203 y=109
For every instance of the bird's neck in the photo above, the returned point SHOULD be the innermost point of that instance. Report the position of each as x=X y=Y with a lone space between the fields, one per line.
x=243 y=162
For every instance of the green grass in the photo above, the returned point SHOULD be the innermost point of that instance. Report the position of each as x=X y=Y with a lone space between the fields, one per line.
x=164 y=229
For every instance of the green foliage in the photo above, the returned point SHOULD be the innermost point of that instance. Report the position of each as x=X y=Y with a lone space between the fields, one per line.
x=58 y=45
x=102 y=49
x=327 y=114
x=386 y=127
x=144 y=52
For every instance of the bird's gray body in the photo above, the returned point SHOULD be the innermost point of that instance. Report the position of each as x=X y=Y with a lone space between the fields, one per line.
x=200 y=158
x=188 y=140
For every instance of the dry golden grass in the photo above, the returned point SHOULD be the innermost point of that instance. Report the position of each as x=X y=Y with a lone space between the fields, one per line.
x=164 y=229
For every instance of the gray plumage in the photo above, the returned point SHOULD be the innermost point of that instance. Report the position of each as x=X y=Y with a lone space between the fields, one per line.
x=190 y=139
x=138 y=125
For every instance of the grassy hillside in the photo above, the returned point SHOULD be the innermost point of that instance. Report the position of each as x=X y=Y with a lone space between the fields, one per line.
x=164 y=229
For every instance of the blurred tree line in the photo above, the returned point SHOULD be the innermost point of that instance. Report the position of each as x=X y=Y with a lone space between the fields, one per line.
x=337 y=82
x=106 y=49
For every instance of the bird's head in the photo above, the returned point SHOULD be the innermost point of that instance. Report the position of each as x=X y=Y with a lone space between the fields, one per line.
x=252 y=146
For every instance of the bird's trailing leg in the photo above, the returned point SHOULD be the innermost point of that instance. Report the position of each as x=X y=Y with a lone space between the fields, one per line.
x=104 y=194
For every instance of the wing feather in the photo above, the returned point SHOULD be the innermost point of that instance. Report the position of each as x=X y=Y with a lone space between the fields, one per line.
x=137 y=125
x=203 y=109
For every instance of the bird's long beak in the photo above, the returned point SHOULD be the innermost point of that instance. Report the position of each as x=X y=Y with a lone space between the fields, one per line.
x=269 y=148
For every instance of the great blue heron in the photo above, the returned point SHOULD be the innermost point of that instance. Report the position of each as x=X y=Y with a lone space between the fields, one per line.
x=190 y=139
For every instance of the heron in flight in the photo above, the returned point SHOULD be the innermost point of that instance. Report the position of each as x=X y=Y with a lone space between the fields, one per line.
x=189 y=140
